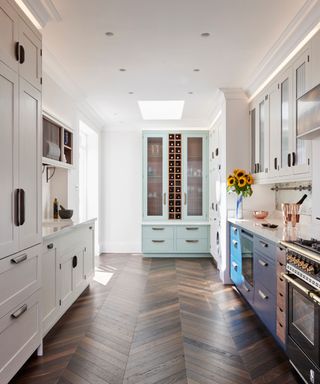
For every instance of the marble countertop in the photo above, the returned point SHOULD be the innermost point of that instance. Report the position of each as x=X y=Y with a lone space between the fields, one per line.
x=51 y=228
x=282 y=233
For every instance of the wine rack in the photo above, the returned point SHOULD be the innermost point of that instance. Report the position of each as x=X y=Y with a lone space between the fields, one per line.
x=175 y=172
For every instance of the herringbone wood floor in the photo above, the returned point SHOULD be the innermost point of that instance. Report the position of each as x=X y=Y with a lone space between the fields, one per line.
x=158 y=321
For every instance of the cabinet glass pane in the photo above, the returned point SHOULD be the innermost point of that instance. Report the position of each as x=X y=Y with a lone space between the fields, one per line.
x=253 y=139
x=155 y=180
x=51 y=140
x=301 y=150
x=194 y=176
x=261 y=136
x=284 y=122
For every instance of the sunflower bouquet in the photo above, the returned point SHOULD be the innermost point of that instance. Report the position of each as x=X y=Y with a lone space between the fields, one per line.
x=240 y=182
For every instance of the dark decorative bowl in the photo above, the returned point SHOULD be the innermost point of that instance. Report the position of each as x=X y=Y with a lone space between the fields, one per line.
x=65 y=213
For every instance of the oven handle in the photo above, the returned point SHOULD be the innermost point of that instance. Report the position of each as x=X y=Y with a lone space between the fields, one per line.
x=297 y=285
x=315 y=297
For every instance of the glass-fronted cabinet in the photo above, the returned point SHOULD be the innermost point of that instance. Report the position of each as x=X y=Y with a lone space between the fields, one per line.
x=175 y=176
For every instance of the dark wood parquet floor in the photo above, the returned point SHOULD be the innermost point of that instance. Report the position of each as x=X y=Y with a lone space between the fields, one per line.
x=158 y=321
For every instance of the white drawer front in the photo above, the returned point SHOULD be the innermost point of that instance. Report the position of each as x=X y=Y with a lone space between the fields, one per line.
x=19 y=336
x=19 y=278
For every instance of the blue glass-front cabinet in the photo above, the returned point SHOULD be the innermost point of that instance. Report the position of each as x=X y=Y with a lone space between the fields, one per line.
x=175 y=176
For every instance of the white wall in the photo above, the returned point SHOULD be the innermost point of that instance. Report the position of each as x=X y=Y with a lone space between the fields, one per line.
x=121 y=168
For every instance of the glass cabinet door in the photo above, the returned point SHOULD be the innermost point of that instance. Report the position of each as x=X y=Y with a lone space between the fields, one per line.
x=194 y=175
x=154 y=184
x=262 y=134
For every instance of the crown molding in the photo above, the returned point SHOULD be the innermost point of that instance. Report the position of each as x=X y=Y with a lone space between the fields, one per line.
x=43 y=11
x=302 y=24
x=234 y=93
x=55 y=70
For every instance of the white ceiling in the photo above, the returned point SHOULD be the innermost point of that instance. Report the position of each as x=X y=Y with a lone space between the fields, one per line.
x=158 y=42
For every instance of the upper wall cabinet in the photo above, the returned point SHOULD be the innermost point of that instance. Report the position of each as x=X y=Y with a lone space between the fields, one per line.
x=20 y=48
x=175 y=173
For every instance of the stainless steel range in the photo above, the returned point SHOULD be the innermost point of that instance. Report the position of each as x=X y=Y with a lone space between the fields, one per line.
x=303 y=305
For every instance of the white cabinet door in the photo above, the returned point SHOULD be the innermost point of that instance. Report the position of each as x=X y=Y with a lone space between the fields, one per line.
x=30 y=231
x=9 y=24
x=8 y=160
x=89 y=254
x=66 y=282
x=50 y=286
x=275 y=129
x=30 y=67
x=301 y=150
x=78 y=270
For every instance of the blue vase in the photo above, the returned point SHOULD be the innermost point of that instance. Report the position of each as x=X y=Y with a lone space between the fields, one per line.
x=239 y=207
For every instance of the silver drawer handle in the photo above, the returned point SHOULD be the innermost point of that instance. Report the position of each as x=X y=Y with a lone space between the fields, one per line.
x=19 y=312
x=192 y=228
x=263 y=263
x=19 y=259
x=262 y=295
x=246 y=288
x=157 y=229
x=192 y=241
x=235 y=243
x=158 y=241
x=263 y=244
x=235 y=230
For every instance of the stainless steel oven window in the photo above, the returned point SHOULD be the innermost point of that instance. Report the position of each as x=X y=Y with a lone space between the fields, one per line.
x=303 y=315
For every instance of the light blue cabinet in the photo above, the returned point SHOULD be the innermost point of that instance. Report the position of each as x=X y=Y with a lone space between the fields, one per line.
x=175 y=192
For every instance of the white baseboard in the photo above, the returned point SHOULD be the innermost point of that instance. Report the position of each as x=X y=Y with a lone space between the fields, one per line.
x=122 y=247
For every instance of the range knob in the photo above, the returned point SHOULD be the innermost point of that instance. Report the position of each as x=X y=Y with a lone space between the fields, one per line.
x=300 y=263
x=305 y=266
x=295 y=261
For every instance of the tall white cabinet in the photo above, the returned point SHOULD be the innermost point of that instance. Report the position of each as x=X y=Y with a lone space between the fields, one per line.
x=20 y=193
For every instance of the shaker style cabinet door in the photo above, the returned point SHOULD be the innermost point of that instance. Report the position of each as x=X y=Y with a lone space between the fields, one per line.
x=30 y=231
x=9 y=242
x=9 y=32
x=155 y=163
x=195 y=176
x=30 y=57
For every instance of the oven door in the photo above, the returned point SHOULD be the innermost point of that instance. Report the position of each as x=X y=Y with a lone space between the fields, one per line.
x=303 y=317
x=246 y=241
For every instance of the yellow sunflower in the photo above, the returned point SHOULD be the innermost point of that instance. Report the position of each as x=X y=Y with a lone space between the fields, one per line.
x=235 y=171
x=231 y=181
x=249 y=179
x=240 y=173
x=242 y=181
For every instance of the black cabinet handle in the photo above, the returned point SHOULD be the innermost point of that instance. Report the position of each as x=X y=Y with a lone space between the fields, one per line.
x=17 y=207
x=17 y=51
x=289 y=160
x=50 y=246
x=217 y=151
x=90 y=227
x=275 y=163
x=293 y=159
x=22 y=196
x=22 y=55
x=74 y=261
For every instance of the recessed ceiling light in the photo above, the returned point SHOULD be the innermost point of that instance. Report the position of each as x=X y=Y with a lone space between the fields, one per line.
x=109 y=34
x=190 y=93
x=205 y=34
x=196 y=70
x=161 y=109
x=122 y=69
x=131 y=93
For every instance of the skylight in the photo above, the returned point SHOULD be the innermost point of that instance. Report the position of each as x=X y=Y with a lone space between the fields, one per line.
x=161 y=109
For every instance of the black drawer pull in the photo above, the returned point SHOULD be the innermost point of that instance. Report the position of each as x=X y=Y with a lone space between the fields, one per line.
x=50 y=246
x=22 y=54
x=19 y=259
x=19 y=312
x=158 y=241
x=280 y=294
x=90 y=227
x=192 y=228
x=157 y=229
x=263 y=244
x=263 y=263
x=281 y=310
x=74 y=261
x=17 y=51
x=262 y=295
x=192 y=241
x=280 y=324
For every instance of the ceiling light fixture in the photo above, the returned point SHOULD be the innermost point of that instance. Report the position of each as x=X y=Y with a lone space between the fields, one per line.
x=190 y=93
x=205 y=34
x=109 y=34
x=196 y=70
x=161 y=109
x=122 y=69
x=131 y=93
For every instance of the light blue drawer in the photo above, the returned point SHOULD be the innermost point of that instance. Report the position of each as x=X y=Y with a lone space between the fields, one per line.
x=192 y=232
x=234 y=233
x=157 y=245
x=192 y=245
x=158 y=232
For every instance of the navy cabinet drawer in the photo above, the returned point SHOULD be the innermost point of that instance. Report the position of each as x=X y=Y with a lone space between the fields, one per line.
x=247 y=291
x=265 y=306
x=265 y=247
x=265 y=272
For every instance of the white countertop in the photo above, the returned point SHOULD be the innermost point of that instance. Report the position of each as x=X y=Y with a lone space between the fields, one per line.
x=175 y=222
x=51 y=228
x=282 y=233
